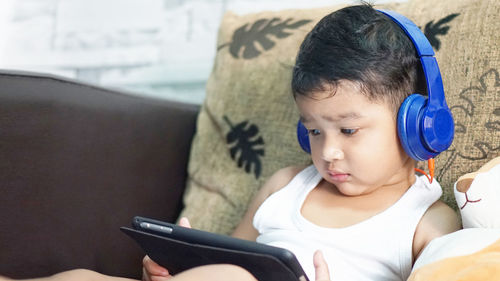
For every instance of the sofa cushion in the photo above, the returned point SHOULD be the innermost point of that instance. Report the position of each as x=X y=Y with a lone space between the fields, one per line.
x=246 y=128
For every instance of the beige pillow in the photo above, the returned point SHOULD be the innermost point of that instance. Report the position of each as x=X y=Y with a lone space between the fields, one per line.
x=247 y=125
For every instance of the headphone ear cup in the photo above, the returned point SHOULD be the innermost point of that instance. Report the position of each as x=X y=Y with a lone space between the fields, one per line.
x=438 y=129
x=303 y=137
x=410 y=119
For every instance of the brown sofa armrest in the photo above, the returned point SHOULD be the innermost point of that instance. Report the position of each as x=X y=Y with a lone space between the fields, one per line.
x=76 y=163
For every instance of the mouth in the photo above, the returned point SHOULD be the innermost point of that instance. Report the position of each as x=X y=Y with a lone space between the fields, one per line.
x=338 y=176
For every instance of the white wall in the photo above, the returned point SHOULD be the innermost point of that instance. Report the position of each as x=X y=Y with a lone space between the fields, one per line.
x=163 y=48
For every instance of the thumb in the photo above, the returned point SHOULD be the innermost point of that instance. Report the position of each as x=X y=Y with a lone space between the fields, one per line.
x=184 y=222
x=320 y=267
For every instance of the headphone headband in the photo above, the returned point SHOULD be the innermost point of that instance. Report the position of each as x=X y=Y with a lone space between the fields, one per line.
x=433 y=79
x=421 y=43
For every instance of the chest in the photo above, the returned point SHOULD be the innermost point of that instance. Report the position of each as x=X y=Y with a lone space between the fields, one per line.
x=326 y=207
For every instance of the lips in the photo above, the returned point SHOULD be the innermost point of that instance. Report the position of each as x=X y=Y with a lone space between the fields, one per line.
x=338 y=176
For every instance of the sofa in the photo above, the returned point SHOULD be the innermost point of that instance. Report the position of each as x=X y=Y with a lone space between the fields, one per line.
x=79 y=161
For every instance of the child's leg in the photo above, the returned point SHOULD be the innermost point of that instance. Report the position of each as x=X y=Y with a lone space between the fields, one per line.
x=76 y=275
x=217 y=272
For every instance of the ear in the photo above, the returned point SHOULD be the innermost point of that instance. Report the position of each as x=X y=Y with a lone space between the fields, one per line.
x=464 y=182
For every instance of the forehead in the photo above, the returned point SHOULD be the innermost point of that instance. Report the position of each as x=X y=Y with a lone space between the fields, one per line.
x=347 y=102
x=333 y=116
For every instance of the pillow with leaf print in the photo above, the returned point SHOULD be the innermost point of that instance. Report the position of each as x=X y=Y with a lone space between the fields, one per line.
x=246 y=128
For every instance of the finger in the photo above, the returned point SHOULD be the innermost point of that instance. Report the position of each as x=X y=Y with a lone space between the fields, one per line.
x=184 y=222
x=152 y=268
x=148 y=277
x=320 y=267
x=145 y=275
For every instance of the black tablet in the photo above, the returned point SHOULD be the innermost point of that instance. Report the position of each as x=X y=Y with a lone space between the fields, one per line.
x=178 y=248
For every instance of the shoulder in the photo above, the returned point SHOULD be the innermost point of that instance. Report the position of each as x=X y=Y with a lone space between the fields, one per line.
x=440 y=218
x=281 y=178
x=278 y=180
x=437 y=221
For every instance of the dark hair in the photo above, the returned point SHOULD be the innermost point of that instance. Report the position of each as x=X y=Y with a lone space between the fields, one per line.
x=362 y=45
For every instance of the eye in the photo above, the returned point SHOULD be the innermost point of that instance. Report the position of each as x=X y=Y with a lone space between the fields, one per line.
x=314 y=132
x=348 y=132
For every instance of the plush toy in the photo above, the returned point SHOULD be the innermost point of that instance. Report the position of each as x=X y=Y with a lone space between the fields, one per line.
x=472 y=253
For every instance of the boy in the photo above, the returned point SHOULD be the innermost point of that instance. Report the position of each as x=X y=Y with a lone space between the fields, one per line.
x=360 y=202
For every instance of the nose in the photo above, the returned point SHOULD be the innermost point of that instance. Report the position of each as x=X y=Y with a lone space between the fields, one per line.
x=332 y=151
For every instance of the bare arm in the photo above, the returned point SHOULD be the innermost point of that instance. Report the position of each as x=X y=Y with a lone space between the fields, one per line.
x=439 y=220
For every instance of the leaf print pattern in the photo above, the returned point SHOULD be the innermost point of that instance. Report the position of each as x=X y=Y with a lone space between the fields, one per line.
x=489 y=85
x=432 y=30
x=467 y=116
x=246 y=38
x=246 y=146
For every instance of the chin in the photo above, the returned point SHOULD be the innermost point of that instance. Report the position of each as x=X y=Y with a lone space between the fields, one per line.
x=351 y=193
x=348 y=189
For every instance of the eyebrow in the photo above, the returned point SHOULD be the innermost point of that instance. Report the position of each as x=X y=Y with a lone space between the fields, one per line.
x=348 y=115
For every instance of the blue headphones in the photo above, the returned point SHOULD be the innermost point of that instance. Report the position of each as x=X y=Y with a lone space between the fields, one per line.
x=425 y=125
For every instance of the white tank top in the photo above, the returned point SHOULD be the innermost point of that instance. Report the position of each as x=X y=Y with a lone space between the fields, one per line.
x=379 y=248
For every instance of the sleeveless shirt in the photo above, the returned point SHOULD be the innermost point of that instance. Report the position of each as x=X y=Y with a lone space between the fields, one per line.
x=378 y=248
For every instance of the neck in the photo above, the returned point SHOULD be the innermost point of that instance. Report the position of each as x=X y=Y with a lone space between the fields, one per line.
x=405 y=176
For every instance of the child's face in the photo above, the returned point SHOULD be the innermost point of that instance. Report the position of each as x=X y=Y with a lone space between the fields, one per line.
x=354 y=141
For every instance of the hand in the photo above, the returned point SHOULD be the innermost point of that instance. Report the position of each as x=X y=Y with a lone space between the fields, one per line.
x=320 y=267
x=151 y=271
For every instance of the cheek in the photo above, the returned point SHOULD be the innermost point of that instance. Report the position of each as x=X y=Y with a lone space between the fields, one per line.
x=316 y=145
x=378 y=150
x=316 y=155
x=395 y=148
